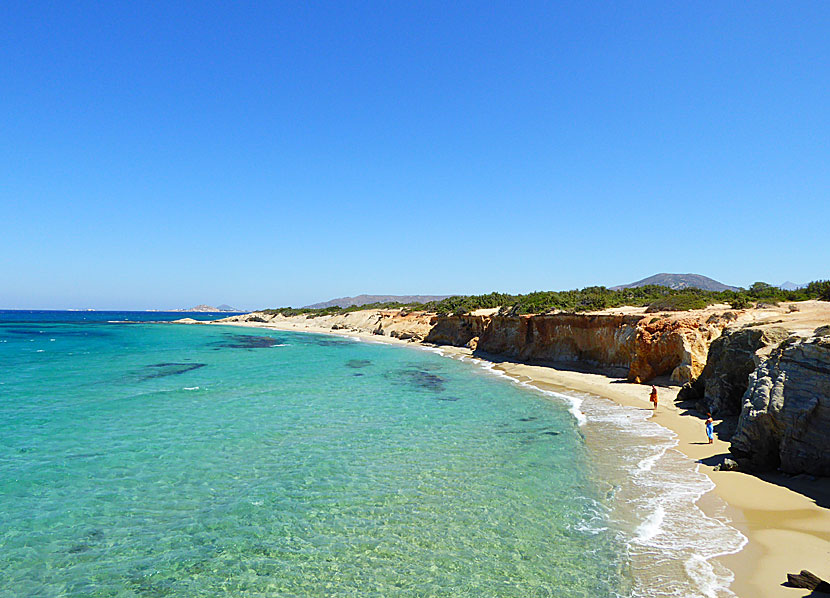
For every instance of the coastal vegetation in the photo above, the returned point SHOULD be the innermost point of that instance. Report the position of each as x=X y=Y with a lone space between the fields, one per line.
x=656 y=298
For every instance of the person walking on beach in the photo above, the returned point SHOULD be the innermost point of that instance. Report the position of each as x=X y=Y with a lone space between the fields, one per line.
x=710 y=428
x=653 y=397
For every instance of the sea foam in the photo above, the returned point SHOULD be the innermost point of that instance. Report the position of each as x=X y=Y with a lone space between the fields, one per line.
x=672 y=544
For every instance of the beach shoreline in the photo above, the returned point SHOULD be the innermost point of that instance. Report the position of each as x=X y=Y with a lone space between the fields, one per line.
x=781 y=517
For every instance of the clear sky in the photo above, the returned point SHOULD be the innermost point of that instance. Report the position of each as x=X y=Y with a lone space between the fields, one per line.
x=265 y=154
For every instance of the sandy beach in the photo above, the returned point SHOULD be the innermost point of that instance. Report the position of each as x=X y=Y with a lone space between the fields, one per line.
x=785 y=519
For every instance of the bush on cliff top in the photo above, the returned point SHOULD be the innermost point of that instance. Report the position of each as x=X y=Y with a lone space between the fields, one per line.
x=591 y=299
x=821 y=288
x=679 y=302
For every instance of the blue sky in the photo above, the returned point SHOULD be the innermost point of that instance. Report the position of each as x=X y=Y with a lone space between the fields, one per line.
x=264 y=154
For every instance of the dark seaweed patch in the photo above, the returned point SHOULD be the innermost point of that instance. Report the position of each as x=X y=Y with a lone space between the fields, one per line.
x=54 y=332
x=423 y=366
x=545 y=430
x=248 y=341
x=92 y=538
x=358 y=363
x=423 y=379
x=96 y=535
x=331 y=342
x=85 y=455
x=160 y=370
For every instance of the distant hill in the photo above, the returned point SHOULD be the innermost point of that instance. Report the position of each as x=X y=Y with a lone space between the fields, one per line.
x=790 y=286
x=679 y=281
x=366 y=299
x=208 y=308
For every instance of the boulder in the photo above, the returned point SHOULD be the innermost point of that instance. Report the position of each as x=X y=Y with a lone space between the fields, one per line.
x=808 y=580
x=728 y=465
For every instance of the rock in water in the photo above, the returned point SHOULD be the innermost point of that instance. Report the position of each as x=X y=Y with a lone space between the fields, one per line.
x=785 y=414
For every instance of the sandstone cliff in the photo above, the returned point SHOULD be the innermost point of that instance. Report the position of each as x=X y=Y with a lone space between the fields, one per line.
x=645 y=347
x=785 y=414
x=458 y=331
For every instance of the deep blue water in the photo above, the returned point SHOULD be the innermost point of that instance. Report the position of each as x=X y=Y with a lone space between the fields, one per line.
x=79 y=317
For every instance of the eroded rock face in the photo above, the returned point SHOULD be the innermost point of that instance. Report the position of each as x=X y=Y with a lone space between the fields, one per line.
x=676 y=346
x=458 y=331
x=785 y=414
x=604 y=340
x=732 y=358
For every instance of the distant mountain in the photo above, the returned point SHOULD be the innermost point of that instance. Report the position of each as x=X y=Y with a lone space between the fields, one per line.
x=208 y=308
x=679 y=281
x=226 y=307
x=790 y=286
x=366 y=299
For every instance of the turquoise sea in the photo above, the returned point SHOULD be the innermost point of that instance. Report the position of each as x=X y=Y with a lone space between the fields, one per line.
x=146 y=459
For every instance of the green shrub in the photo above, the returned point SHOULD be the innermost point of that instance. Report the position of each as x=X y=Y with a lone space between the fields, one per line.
x=739 y=302
x=821 y=289
x=763 y=290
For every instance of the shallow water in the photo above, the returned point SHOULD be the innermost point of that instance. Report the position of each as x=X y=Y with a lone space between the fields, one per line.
x=157 y=460
x=651 y=492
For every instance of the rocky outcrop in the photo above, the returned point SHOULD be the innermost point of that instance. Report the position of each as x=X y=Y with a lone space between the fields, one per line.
x=732 y=358
x=251 y=317
x=785 y=413
x=457 y=331
x=678 y=345
x=413 y=326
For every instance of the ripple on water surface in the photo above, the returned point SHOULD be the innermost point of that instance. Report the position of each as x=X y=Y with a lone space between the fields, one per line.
x=270 y=469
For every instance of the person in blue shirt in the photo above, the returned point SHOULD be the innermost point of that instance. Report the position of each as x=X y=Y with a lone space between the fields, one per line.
x=710 y=428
